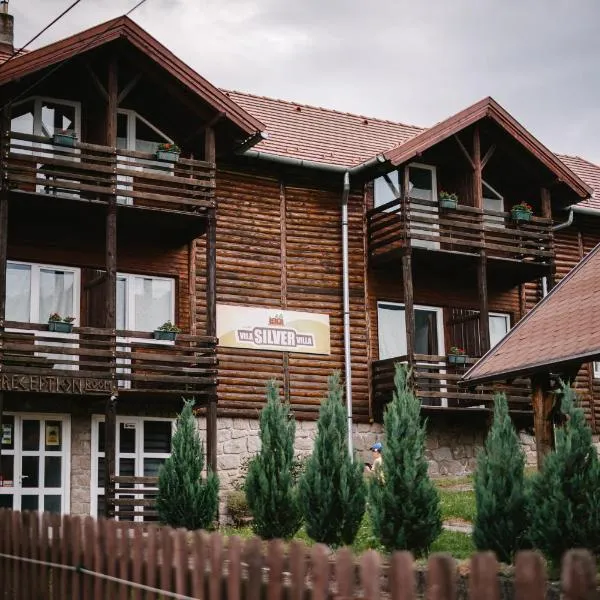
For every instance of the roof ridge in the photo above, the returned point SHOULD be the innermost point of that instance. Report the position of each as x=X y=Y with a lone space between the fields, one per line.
x=323 y=108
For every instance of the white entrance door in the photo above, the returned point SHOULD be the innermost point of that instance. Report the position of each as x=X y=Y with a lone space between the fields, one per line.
x=143 y=444
x=35 y=462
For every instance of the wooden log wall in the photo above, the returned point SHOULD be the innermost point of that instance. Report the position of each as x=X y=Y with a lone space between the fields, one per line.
x=572 y=244
x=279 y=246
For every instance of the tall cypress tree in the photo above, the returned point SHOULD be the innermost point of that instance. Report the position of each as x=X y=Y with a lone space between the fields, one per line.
x=501 y=521
x=184 y=498
x=270 y=492
x=332 y=489
x=404 y=503
x=565 y=494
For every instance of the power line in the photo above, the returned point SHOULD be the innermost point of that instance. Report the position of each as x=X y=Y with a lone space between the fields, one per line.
x=35 y=37
x=65 y=61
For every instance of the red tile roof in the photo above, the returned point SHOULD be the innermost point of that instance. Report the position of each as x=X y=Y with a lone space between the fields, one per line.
x=563 y=328
x=319 y=134
x=590 y=173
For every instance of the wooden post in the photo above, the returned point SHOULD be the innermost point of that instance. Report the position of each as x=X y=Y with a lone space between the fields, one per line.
x=283 y=237
x=547 y=214
x=477 y=189
x=542 y=401
x=409 y=308
x=110 y=453
x=484 y=313
x=211 y=307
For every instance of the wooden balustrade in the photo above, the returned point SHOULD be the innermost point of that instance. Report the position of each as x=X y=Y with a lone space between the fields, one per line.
x=464 y=229
x=438 y=384
x=135 y=498
x=94 y=361
x=95 y=173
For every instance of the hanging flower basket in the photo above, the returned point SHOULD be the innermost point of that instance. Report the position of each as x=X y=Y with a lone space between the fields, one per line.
x=168 y=152
x=447 y=200
x=521 y=213
x=64 y=138
x=457 y=356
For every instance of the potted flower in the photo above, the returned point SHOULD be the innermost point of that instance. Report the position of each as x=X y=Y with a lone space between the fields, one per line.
x=168 y=152
x=457 y=356
x=521 y=212
x=448 y=200
x=167 y=331
x=64 y=137
x=60 y=324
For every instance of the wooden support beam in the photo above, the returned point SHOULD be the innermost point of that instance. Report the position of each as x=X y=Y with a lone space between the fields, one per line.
x=477 y=189
x=283 y=264
x=4 y=192
x=391 y=185
x=1 y=413
x=546 y=202
x=112 y=104
x=464 y=151
x=96 y=81
x=484 y=313
x=409 y=307
x=211 y=330
x=110 y=453
x=488 y=155
x=96 y=281
x=207 y=125
x=542 y=402
x=125 y=91
x=210 y=152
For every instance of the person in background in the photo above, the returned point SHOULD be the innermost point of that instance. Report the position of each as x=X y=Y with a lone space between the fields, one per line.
x=376 y=449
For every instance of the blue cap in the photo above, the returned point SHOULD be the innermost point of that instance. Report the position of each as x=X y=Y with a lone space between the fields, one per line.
x=377 y=447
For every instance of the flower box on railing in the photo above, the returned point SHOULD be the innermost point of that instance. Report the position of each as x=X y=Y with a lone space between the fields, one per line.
x=168 y=152
x=449 y=201
x=166 y=332
x=64 y=138
x=60 y=327
x=457 y=356
x=521 y=213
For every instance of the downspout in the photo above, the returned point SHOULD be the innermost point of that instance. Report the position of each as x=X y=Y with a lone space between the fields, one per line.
x=346 y=294
x=558 y=227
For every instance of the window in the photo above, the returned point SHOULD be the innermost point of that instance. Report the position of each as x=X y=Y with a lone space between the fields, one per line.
x=144 y=303
x=492 y=200
x=34 y=292
x=499 y=327
x=597 y=370
x=382 y=192
x=143 y=445
x=46 y=116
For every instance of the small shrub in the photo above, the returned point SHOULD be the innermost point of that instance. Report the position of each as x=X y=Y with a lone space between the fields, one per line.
x=269 y=485
x=238 y=509
x=332 y=488
x=501 y=521
x=185 y=498
x=565 y=494
x=404 y=502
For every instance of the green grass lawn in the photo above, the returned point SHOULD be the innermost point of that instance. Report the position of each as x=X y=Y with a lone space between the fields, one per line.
x=457 y=505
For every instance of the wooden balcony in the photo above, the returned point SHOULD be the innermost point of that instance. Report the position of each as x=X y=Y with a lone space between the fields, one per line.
x=464 y=231
x=95 y=174
x=438 y=386
x=92 y=361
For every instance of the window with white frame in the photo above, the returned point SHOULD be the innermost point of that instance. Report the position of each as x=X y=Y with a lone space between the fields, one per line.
x=493 y=201
x=499 y=327
x=382 y=191
x=142 y=446
x=597 y=370
x=35 y=291
x=46 y=116
x=144 y=302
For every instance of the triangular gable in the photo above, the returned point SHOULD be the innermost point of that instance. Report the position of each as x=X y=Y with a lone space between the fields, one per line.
x=564 y=328
x=487 y=108
x=125 y=28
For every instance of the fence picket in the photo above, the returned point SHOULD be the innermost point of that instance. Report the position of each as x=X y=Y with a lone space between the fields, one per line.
x=216 y=560
x=200 y=543
x=181 y=561
x=65 y=540
x=483 y=578
x=15 y=550
x=137 y=557
x=441 y=577
x=56 y=532
x=402 y=576
x=530 y=576
x=319 y=572
x=298 y=570
x=166 y=558
x=111 y=557
x=35 y=554
x=150 y=574
x=253 y=555
x=123 y=541
x=234 y=569
x=25 y=546
x=44 y=592
x=370 y=574
x=100 y=553
x=275 y=554
x=89 y=535
x=76 y=560
x=578 y=580
x=344 y=574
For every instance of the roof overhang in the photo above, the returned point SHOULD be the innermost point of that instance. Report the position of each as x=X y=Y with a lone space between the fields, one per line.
x=487 y=108
x=124 y=28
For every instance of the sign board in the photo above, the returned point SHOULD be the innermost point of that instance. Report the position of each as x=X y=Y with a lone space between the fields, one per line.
x=272 y=329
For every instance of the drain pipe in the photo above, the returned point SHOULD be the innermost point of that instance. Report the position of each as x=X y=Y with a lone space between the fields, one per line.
x=346 y=294
x=558 y=227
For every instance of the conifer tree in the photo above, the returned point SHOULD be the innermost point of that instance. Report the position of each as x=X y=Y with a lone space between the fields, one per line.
x=332 y=489
x=501 y=521
x=404 y=503
x=185 y=498
x=565 y=494
x=270 y=491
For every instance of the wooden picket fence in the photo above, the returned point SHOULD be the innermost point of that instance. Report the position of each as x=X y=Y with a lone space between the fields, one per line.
x=44 y=556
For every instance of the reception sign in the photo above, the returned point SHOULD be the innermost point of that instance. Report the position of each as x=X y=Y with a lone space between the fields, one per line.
x=272 y=329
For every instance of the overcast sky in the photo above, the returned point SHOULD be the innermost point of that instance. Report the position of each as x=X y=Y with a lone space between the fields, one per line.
x=411 y=61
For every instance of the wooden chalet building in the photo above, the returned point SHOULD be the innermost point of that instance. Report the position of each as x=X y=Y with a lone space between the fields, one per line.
x=304 y=239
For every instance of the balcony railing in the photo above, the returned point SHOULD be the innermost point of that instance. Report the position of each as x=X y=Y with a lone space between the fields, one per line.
x=464 y=229
x=437 y=384
x=95 y=173
x=100 y=361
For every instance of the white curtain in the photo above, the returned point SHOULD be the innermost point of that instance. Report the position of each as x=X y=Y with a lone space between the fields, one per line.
x=153 y=303
x=56 y=294
x=498 y=328
x=18 y=293
x=392 y=331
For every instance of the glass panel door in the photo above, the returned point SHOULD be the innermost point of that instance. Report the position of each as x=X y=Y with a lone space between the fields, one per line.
x=34 y=469
x=423 y=186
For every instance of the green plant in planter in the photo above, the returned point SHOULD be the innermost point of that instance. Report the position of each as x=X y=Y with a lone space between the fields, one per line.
x=521 y=212
x=448 y=200
x=167 y=331
x=60 y=324
x=64 y=137
x=169 y=152
x=457 y=356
